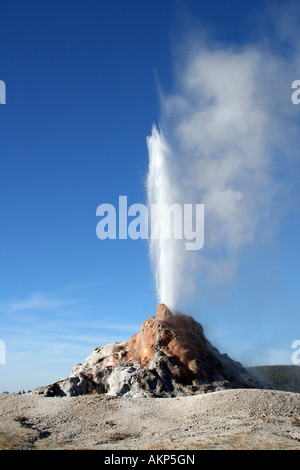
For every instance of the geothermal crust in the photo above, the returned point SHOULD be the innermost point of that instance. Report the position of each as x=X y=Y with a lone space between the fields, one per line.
x=169 y=357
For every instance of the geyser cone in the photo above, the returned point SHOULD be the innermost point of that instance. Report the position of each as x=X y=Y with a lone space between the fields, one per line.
x=170 y=356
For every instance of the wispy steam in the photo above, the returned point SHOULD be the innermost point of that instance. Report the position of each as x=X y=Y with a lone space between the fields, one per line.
x=224 y=135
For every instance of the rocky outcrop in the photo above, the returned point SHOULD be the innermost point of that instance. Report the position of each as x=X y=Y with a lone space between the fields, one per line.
x=169 y=357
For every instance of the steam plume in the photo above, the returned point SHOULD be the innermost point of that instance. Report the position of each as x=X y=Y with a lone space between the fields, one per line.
x=221 y=140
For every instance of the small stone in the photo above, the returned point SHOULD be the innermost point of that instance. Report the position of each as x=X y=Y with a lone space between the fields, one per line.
x=163 y=313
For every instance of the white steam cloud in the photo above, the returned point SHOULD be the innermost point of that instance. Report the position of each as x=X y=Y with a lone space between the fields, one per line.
x=221 y=141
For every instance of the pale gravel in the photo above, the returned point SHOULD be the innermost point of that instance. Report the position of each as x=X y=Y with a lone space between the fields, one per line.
x=231 y=419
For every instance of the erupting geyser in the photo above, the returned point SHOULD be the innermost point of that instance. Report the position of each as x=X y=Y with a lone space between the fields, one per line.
x=170 y=356
x=164 y=253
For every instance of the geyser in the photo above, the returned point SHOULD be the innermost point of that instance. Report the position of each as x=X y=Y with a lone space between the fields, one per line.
x=161 y=190
x=169 y=356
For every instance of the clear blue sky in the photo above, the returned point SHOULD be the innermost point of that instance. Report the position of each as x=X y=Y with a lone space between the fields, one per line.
x=82 y=95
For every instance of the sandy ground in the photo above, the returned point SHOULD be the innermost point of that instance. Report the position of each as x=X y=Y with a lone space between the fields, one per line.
x=233 y=419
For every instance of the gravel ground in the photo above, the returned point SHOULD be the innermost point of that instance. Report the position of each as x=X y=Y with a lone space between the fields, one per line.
x=232 y=419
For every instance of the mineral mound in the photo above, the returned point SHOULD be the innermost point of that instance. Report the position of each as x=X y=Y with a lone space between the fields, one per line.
x=169 y=357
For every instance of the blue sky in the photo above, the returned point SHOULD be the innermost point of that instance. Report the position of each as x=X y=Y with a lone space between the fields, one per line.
x=83 y=85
